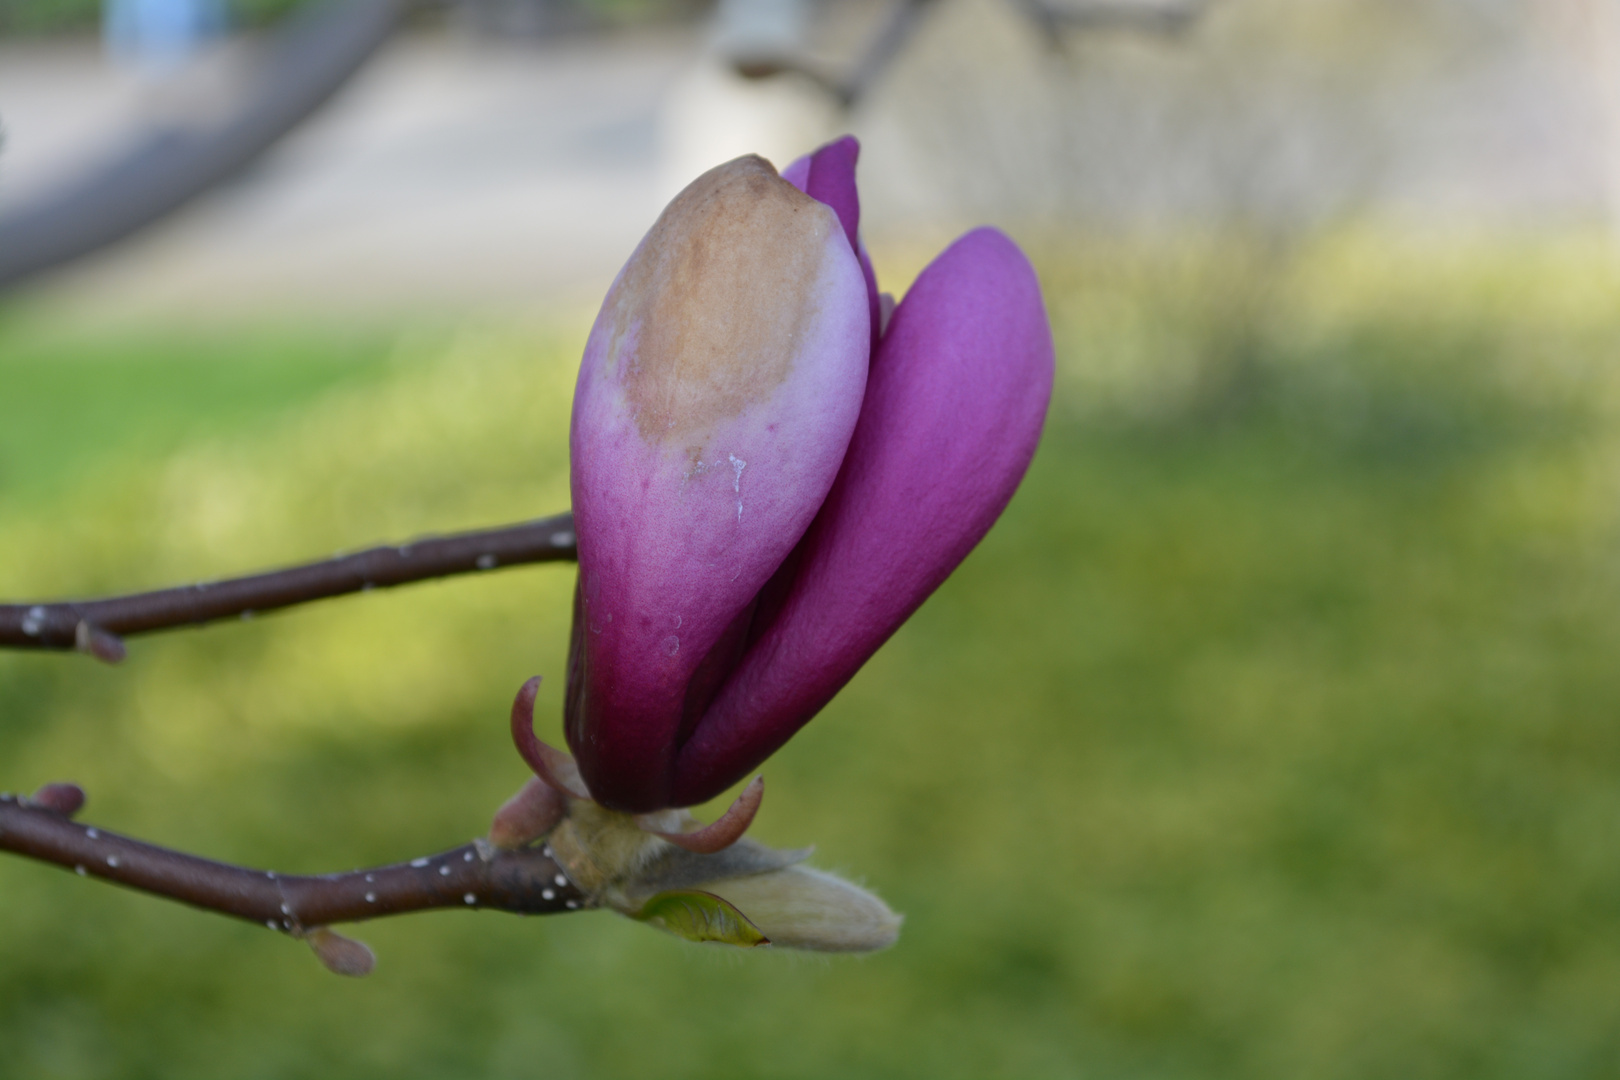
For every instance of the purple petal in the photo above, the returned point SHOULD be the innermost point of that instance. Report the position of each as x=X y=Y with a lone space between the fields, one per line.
x=717 y=396
x=953 y=411
x=828 y=175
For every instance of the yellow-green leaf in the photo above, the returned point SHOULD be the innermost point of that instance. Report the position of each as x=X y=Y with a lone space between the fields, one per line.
x=701 y=916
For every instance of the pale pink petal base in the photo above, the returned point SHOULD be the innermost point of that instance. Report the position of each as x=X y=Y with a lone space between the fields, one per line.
x=64 y=799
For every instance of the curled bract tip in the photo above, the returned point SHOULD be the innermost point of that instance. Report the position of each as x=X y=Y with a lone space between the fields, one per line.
x=725 y=830
x=549 y=764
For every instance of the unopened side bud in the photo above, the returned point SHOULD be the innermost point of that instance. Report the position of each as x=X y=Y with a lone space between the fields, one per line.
x=341 y=955
x=64 y=799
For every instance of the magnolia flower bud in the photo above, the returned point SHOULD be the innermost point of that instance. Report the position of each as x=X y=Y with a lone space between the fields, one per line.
x=756 y=514
x=718 y=393
x=773 y=466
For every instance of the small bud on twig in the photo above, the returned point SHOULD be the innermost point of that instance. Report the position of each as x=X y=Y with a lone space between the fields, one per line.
x=341 y=955
x=91 y=639
x=62 y=798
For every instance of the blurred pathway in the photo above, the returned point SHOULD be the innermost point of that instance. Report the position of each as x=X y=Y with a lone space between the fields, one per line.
x=463 y=172
x=451 y=171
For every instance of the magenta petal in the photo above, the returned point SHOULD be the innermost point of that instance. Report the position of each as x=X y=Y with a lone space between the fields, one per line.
x=828 y=175
x=717 y=396
x=954 y=407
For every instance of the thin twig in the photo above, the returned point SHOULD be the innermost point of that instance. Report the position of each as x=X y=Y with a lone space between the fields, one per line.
x=97 y=627
x=525 y=882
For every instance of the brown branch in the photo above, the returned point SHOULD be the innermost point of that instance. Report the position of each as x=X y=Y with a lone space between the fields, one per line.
x=97 y=627
x=476 y=875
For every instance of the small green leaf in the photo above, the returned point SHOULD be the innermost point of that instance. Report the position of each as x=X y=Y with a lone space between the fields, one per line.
x=701 y=916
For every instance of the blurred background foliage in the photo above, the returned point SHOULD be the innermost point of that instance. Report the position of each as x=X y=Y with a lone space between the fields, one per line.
x=1272 y=733
x=37 y=17
x=71 y=17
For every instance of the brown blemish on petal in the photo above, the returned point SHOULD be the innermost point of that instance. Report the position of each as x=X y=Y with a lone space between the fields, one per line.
x=711 y=310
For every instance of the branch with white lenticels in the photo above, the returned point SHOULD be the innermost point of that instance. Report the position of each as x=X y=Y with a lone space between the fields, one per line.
x=525 y=881
x=98 y=627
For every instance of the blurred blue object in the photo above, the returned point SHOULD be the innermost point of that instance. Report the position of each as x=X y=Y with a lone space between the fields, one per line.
x=752 y=31
x=159 y=35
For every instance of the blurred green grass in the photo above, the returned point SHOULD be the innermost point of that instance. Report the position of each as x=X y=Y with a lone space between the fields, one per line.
x=1274 y=732
x=77 y=397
